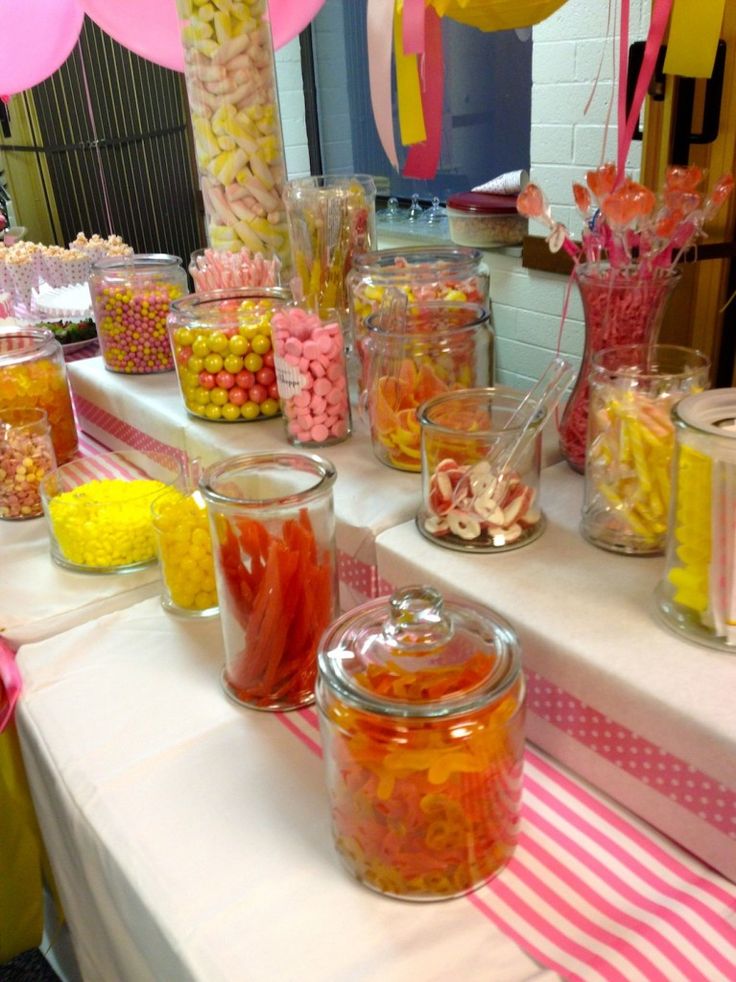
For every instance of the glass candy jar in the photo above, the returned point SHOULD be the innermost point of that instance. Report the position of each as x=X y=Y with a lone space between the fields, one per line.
x=131 y=296
x=631 y=436
x=619 y=308
x=697 y=596
x=480 y=471
x=450 y=273
x=430 y=349
x=311 y=376
x=330 y=219
x=184 y=547
x=421 y=706
x=273 y=528
x=26 y=457
x=224 y=354
x=33 y=376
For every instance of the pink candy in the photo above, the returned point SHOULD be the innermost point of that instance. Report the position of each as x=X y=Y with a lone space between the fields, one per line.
x=311 y=377
x=25 y=458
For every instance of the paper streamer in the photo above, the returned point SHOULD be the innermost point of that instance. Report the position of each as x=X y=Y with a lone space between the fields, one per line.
x=412 y=27
x=423 y=158
x=695 y=28
x=379 y=14
x=408 y=90
x=658 y=25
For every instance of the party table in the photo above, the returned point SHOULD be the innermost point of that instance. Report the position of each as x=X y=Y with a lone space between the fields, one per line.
x=190 y=840
x=146 y=412
x=630 y=706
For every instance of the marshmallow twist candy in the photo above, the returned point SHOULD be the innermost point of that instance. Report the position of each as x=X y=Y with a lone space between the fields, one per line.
x=231 y=81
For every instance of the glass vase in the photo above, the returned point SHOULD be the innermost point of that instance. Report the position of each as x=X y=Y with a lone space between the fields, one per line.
x=619 y=307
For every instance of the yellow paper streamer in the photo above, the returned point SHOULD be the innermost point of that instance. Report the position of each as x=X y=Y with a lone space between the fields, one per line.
x=408 y=90
x=695 y=26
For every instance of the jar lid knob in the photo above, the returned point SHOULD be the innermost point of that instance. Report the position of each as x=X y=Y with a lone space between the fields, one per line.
x=417 y=617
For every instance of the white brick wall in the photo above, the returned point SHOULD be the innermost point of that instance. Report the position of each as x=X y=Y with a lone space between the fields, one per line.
x=566 y=140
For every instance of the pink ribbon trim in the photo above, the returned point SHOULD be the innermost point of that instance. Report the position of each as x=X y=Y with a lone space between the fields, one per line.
x=412 y=27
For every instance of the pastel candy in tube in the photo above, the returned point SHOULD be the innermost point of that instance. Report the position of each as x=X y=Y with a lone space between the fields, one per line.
x=231 y=83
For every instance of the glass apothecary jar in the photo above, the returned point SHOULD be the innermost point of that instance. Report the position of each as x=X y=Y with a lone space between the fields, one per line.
x=480 y=471
x=421 y=706
x=131 y=296
x=696 y=598
x=26 y=457
x=428 y=350
x=450 y=273
x=223 y=353
x=273 y=534
x=33 y=376
x=98 y=509
x=631 y=436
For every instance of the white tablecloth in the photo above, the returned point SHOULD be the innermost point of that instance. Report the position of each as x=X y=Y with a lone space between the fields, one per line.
x=190 y=839
x=642 y=713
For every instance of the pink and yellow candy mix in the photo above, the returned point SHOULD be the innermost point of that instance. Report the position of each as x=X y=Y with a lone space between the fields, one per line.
x=26 y=456
x=225 y=362
x=231 y=81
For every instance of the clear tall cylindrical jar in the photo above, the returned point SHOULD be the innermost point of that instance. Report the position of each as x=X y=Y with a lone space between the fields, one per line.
x=331 y=219
x=230 y=76
x=131 y=296
x=33 y=376
x=420 y=273
x=631 y=436
x=184 y=547
x=431 y=348
x=273 y=533
x=480 y=471
x=26 y=457
x=223 y=351
x=696 y=598
x=421 y=705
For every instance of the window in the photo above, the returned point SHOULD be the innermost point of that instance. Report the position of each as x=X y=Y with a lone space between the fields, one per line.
x=487 y=112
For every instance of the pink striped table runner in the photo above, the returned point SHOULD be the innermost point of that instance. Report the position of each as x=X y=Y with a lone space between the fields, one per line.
x=595 y=894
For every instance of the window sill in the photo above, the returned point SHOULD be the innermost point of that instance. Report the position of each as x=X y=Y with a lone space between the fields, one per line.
x=392 y=235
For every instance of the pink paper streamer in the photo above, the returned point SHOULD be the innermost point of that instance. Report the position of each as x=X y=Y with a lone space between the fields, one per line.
x=423 y=158
x=657 y=27
x=379 y=18
x=412 y=27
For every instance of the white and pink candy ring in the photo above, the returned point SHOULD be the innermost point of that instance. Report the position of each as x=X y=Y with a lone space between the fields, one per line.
x=480 y=481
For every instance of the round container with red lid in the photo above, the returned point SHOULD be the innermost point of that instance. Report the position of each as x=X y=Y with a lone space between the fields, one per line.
x=484 y=220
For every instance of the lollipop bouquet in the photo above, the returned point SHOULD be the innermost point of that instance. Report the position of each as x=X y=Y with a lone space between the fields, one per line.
x=626 y=263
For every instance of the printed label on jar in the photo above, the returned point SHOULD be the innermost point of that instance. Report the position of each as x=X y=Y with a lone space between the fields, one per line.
x=289 y=379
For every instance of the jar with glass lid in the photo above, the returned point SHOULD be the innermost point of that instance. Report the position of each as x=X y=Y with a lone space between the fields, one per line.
x=33 y=376
x=421 y=705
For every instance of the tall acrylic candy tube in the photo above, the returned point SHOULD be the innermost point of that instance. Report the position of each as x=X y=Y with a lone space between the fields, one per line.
x=231 y=84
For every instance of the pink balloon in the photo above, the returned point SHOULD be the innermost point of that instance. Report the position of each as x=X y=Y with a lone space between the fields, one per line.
x=150 y=28
x=37 y=37
x=290 y=17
